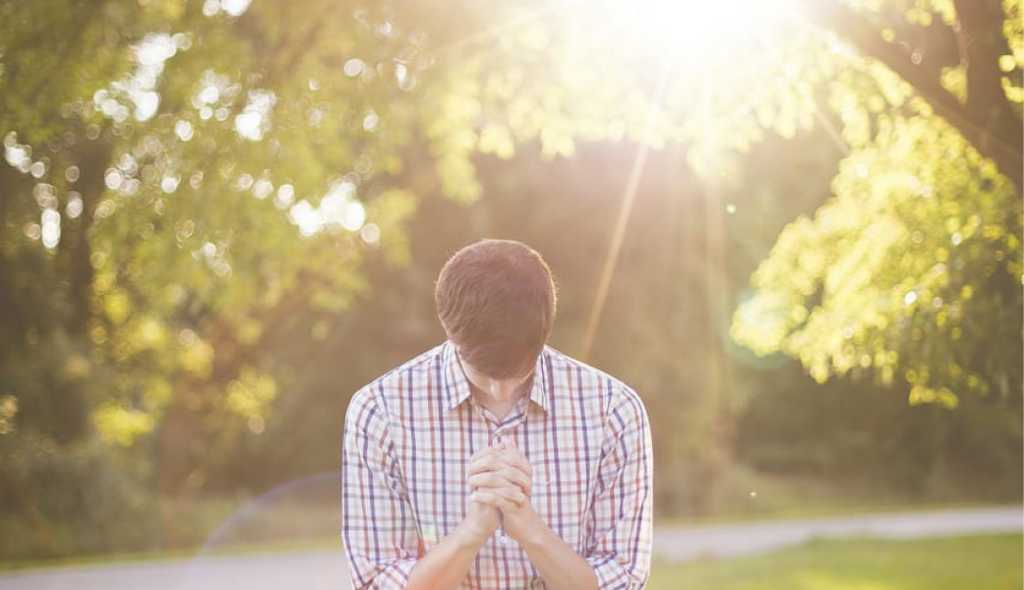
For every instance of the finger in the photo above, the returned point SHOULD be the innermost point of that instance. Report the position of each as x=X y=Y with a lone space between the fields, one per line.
x=504 y=477
x=484 y=452
x=511 y=494
x=485 y=460
x=497 y=463
x=494 y=462
x=504 y=499
x=515 y=458
x=487 y=498
x=483 y=465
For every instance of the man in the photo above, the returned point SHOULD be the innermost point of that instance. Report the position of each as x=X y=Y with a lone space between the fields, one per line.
x=494 y=461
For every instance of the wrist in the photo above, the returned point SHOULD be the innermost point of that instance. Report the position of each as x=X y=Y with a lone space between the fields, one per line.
x=470 y=535
x=534 y=534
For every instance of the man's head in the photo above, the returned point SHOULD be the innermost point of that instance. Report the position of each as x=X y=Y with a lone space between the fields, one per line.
x=496 y=301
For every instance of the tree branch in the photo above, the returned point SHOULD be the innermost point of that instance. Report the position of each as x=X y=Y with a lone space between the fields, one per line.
x=999 y=139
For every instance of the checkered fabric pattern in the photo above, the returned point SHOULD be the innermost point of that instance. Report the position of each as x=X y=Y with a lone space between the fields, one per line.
x=408 y=439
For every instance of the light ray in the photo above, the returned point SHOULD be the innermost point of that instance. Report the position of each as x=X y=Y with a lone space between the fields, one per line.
x=715 y=281
x=622 y=221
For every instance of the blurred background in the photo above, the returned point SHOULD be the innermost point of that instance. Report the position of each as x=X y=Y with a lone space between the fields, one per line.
x=794 y=227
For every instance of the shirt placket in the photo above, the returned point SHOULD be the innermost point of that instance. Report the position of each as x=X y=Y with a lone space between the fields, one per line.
x=500 y=431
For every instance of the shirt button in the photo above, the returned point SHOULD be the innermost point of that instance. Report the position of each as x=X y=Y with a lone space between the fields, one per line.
x=504 y=540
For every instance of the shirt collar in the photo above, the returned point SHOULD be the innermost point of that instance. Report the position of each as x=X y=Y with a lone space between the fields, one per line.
x=456 y=386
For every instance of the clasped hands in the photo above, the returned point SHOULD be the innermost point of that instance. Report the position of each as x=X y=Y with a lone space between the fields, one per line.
x=500 y=483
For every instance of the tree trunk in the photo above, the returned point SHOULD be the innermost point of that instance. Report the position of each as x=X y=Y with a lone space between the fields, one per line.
x=74 y=255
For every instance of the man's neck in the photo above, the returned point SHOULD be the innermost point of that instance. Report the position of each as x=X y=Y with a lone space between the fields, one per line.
x=500 y=408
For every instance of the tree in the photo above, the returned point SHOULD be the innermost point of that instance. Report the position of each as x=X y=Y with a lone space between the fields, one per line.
x=187 y=178
x=914 y=270
x=184 y=178
x=962 y=57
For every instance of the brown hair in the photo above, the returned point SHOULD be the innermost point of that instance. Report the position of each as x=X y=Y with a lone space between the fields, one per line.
x=496 y=302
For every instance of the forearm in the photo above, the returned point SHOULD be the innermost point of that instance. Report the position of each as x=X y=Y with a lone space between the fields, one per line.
x=445 y=566
x=558 y=564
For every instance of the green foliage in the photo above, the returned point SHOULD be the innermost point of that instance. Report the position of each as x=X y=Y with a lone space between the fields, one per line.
x=84 y=496
x=912 y=271
x=179 y=221
x=981 y=563
x=1012 y=63
x=865 y=440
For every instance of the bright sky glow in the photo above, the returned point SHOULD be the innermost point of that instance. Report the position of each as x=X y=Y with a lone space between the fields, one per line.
x=150 y=55
x=338 y=209
x=678 y=38
x=231 y=7
x=691 y=28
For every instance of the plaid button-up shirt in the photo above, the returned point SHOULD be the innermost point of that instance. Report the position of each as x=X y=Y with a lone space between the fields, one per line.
x=408 y=439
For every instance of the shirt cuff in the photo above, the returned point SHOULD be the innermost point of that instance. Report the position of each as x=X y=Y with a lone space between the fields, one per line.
x=611 y=575
x=394 y=576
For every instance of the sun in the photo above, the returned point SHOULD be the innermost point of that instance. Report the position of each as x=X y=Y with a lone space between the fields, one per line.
x=690 y=28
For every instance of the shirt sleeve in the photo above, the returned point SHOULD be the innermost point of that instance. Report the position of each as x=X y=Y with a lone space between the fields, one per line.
x=380 y=537
x=621 y=543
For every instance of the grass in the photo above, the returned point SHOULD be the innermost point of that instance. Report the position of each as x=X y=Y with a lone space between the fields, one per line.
x=960 y=563
x=815 y=512
x=744 y=494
